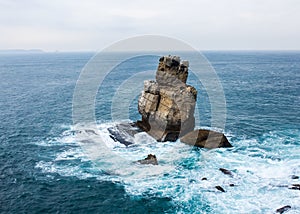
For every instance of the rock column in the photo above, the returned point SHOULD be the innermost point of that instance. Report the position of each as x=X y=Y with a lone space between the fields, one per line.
x=167 y=105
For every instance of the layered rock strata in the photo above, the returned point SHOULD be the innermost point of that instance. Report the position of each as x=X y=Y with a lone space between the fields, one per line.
x=167 y=105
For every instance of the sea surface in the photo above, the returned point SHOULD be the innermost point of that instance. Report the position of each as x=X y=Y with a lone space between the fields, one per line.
x=45 y=169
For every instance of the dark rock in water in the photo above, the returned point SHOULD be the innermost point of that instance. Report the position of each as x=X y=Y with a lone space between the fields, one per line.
x=117 y=137
x=295 y=187
x=121 y=132
x=150 y=159
x=226 y=172
x=220 y=188
x=295 y=177
x=206 y=139
x=112 y=136
x=283 y=209
x=167 y=105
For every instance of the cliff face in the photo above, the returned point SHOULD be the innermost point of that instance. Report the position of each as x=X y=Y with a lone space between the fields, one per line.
x=167 y=105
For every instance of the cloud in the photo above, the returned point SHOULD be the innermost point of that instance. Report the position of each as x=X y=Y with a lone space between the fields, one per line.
x=206 y=24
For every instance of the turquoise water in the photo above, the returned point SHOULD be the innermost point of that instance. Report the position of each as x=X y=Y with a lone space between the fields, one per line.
x=45 y=169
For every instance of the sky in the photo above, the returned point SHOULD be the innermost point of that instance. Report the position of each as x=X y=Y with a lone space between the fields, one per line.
x=76 y=25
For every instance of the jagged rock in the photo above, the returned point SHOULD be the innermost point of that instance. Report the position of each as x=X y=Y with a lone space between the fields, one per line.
x=150 y=159
x=124 y=133
x=148 y=103
x=283 y=209
x=167 y=105
x=150 y=86
x=171 y=69
x=206 y=139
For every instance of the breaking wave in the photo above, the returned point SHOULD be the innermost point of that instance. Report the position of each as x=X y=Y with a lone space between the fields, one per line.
x=262 y=169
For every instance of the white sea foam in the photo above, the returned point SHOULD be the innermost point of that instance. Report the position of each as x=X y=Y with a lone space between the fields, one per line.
x=261 y=168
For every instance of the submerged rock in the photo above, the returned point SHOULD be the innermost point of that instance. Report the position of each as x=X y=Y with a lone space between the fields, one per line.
x=206 y=139
x=150 y=159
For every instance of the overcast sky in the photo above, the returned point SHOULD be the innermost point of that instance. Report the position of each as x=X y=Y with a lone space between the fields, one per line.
x=76 y=25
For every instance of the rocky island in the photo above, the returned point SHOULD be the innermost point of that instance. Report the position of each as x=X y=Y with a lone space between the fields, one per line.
x=167 y=107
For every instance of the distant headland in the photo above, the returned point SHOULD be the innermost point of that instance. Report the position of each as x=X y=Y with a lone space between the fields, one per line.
x=21 y=51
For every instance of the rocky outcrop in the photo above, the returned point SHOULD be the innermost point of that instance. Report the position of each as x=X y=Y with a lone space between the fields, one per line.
x=123 y=133
x=150 y=159
x=167 y=105
x=206 y=139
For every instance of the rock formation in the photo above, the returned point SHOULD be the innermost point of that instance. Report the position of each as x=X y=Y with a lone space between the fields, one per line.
x=123 y=133
x=167 y=105
x=206 y=139
x=150 y=159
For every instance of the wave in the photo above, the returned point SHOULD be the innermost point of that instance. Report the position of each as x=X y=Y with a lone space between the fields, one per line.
x=262 y=168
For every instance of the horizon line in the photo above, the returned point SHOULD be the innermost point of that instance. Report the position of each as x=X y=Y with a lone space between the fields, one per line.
x=38 y=50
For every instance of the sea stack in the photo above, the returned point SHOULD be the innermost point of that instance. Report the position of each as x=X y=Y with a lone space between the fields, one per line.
x=167 y=105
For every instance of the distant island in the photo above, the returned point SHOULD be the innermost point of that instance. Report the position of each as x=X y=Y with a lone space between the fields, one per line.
x=20 y=51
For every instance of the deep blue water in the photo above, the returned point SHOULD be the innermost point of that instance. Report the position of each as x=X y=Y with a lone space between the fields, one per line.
x=43 y=168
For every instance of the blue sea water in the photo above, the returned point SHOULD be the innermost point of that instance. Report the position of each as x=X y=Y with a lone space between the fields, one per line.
x=44 y=169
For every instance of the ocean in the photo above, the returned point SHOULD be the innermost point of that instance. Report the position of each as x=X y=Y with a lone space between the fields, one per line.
x=44 y=169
